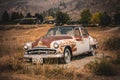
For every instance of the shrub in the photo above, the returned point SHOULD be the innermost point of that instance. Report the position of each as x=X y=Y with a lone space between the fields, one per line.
x=14 y=64
x=116 y=19
x=101 y=67
x=117 y=59
x=112 y=43
x=105 y=19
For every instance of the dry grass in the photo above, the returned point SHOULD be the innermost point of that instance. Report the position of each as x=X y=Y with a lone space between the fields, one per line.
x=11 y=53
x=102 y=67
x=107 y=39
x=116 y=60
x=48 y=71
x=109 y=42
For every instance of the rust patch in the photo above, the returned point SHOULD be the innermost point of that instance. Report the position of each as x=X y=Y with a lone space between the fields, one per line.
x=66 y=43
x=74 y=49
x=35 y=43
x=47 y=40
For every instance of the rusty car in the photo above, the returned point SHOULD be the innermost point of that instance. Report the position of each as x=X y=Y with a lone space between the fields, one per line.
x=62 y=42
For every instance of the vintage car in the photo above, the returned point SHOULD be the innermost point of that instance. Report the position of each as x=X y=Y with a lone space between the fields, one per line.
x=62 y=42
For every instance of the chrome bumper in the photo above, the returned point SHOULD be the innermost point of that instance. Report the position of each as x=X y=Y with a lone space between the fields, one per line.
x=41 y=52
x=43 y=56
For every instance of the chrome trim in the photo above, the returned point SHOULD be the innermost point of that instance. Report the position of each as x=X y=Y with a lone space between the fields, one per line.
x=44 y=56
x=42 y=48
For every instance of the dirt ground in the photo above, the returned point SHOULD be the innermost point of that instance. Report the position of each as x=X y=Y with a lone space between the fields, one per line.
x=12 y=39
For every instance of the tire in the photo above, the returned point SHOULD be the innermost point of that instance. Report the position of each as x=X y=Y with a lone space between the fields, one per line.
x=67 y=56
x=92 y=51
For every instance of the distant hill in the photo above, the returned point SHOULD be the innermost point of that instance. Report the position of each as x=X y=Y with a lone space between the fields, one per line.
x=72 y=7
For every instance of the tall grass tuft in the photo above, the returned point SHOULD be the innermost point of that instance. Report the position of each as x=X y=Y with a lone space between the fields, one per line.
x=14 y=64
x=50 y=72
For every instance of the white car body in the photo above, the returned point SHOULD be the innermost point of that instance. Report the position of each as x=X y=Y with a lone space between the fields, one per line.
x=73 y=38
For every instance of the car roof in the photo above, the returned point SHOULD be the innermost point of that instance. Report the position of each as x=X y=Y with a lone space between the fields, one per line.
x=69 y=26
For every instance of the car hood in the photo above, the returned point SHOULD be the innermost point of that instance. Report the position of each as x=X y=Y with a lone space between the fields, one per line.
x=46 y=41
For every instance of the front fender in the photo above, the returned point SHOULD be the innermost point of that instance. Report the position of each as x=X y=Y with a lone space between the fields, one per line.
x=63 y=44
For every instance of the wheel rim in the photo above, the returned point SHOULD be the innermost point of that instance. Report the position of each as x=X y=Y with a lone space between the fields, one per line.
x=67 y=56
x=92 y=51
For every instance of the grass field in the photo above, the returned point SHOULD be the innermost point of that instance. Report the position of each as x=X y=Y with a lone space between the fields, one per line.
x=12 y=39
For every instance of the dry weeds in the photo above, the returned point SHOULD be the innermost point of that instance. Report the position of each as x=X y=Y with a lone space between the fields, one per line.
x=11 y=53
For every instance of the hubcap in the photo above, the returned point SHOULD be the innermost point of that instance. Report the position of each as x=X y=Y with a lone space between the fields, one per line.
x=92 y=51
x=67 y=56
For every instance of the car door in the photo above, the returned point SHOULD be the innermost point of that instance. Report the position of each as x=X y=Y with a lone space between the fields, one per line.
x=79 y=41
x=85 y=37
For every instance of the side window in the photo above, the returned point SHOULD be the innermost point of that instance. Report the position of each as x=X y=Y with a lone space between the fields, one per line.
x=51 y=33
x=77 y=32
x=84 y=32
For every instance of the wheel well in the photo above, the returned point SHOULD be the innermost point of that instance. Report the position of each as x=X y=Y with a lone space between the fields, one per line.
x=69 y=49
x=93 y=46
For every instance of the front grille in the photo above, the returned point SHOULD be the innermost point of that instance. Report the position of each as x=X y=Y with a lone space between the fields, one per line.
x=41 y=51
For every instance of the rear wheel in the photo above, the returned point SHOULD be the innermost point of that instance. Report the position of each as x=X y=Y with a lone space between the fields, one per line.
x=67 y=55
x=92 y=51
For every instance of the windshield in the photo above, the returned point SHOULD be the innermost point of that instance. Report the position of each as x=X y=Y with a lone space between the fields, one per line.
x=60 y=31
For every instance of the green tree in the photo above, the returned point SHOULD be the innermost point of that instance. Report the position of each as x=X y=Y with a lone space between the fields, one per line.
x=62 y=18
x=28 y=15
x=105 y=19
x=51 y=12
x=85 y=16
x=21 y=15
x=14 y=16
x=39 y=16
x=96 y=18
x=5 y=17
x=44 y=14
x=116 y=19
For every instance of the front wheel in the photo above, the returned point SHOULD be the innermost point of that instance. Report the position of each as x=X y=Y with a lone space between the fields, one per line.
x=67 y=56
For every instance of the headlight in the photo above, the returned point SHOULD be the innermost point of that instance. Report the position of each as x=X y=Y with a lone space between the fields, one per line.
x=56 y=45
x=25 y=47
x=28 y=45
